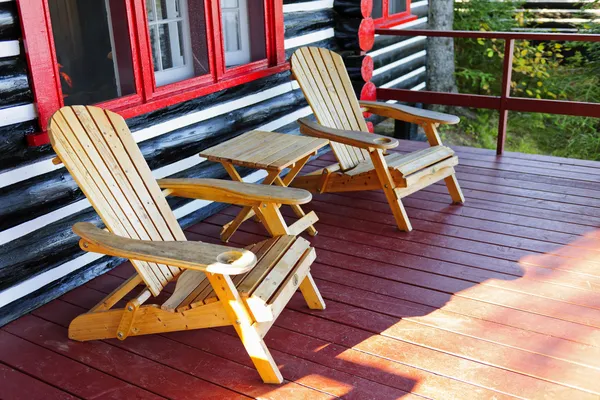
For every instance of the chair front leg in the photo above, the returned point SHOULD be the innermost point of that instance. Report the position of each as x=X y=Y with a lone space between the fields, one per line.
x=311 y=293
x=272 y=220
x=433 y=136
x=454 y=189
x=243 y=323
x=434 y=139
x=388 y=185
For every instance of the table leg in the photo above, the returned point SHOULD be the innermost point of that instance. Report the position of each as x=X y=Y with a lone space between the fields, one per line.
x=246 y=212
x=270 y=178
x=297 y=209
x=295 y=170
x=230 y=228
x=305 y=221
x=233 y=174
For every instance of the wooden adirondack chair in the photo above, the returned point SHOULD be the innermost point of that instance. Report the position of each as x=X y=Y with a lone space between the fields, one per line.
x=216 y=285
x=362 y=164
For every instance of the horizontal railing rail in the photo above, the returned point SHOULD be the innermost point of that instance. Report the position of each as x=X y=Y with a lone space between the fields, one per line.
x=504 y=102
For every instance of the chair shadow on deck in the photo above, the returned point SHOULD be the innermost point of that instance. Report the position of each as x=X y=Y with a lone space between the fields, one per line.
x=384 y=332
x=390 y=323
x=372 y=295
x=386 y=323
x=214 y=355
x=389 y=301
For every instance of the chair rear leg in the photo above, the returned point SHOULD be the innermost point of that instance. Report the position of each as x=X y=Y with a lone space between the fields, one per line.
x=433 y=138
x=311 y=293
x=388 y=185
x=454 y=189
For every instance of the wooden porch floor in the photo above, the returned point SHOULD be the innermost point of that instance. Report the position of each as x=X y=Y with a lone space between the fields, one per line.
x=499 y=298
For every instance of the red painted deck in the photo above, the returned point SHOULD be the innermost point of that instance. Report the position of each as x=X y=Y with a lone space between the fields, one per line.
x=498 y=298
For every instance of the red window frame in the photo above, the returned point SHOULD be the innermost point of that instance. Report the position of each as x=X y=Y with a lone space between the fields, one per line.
x=388 y=20
x=45 y=79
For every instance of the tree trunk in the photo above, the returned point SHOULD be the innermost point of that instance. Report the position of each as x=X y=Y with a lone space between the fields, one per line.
x=440 y=51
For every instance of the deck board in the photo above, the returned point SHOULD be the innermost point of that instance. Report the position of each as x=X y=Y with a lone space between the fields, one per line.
x=499 y=298
x=12 y=383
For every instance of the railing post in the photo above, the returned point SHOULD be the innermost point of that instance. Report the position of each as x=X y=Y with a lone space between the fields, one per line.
x=509 y=47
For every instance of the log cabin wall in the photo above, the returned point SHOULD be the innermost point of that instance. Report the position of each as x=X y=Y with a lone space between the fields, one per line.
x=387 y=61
x=559 y=15
x=399 y=62
x=39 y=202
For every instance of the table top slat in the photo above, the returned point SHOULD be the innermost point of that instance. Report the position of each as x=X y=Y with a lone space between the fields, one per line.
x=284 y=147
x=238 y=147
x=297 y=153
x=264 y=150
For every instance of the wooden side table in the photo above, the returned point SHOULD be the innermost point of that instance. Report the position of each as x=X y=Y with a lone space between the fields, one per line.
x=272 y=152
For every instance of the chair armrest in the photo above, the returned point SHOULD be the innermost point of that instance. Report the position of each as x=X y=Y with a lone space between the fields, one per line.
x=364 y=140
x=189 y=255
x=408 y=114
x=240 y=193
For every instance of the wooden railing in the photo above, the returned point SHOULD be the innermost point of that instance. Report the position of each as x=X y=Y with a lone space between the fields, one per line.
x=504 y=102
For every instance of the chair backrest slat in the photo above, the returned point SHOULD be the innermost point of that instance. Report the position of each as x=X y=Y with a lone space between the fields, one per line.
x=98 y=150
x=326 y=85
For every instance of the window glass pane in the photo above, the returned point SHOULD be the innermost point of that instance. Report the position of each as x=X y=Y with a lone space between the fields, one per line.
x=168 y=9
x=158 y=9
x=229 y=3
x=231 y=30
x=377 y=9
x=150 y=10
x=164 y=37
x=91 y=39
x=177 y=30
x=397 y=6
x=243 y=31
x=155 y=49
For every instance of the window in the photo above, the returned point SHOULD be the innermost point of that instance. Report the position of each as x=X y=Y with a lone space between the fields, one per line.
x=135 y=56
x=178 y=40
x=396 y=6
x=242 y=44
x=388 y=13
x=91 y=74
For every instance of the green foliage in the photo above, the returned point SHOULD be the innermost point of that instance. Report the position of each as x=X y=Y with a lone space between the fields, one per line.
x=532 y=67
x=487 y=15
x=479 y=62
x=550 y=70
x=564 y=135
x=592 y=49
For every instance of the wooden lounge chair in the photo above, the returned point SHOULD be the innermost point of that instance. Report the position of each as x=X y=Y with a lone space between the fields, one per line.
x=216 y=285
x=362 y=164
